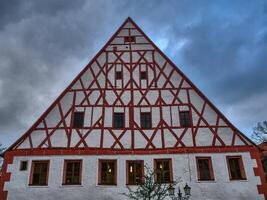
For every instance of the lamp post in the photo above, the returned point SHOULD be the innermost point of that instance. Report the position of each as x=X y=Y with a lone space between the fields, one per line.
x=187 y=193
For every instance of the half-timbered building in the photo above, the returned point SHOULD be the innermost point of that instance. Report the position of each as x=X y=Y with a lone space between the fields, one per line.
x=130 y=107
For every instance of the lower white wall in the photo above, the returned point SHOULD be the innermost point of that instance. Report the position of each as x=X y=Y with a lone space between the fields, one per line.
x=184 y=167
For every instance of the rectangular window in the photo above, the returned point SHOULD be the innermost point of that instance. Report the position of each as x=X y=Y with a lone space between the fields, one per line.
x=107 y=172
x=163 y=170
x=129 y=39
x=118 y=120
x=204 y=169
x=185 y=119
x=72 y=172
x=118 y=75
x=143 y=75
x=135 y=172
x=39 y=172
x=23 y=165
x=146 y=120
x=236 y=168
x=78 y=119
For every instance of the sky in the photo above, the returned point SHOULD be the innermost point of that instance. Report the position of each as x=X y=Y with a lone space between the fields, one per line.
x=220 y=45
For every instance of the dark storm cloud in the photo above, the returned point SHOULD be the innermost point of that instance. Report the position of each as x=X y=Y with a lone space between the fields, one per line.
x=220 y=45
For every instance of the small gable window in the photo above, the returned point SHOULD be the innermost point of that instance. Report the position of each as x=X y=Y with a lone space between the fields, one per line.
x=185 y=119
x=23 y=165
x=129 y=39
x=72 y=172
x=236 y=168
x=78 y=119
x=107 y=172
x=143 y=75
x=118 y=75
x=204 y=169
x=118 y=120
x=146 y=120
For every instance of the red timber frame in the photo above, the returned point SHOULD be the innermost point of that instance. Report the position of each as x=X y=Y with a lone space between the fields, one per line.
x=130 y=86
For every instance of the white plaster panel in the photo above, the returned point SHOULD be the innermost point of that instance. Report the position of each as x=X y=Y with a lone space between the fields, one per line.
x=141 y=39
x=226 y=134
x=155 y=116
x=97 y=113
x=59 y=139
x=87 y=116
x=37 y=137
x=25 y=144
x=204 y=137
x=166 y=114
x=66 y=102
x=53 y=117
x=210 y=115
x=124 y=32
x=93 y=139
x=142 y=47
x=79 y=97
x=175 y=116
x=101 y=60
x=108 y=117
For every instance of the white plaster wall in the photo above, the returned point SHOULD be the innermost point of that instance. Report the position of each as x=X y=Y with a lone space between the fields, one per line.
x=184 y=167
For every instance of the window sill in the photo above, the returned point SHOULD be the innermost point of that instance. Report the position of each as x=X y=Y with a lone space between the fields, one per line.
x=238 y=180
x=106 y=185
x=38 y=186
x=206 y=181
x=68 y=185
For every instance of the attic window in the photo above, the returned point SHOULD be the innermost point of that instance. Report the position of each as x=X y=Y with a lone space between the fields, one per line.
x=129 y=39
x=146 y=120
x=78 y=119
x=143 y=75
x=185 y=120
x=118 y=120
x=118 y=75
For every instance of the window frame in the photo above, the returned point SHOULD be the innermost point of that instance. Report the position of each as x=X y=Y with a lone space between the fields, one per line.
x=65 y=171
x=113 y=120
x=73 y=122
x=127 y=171
x=100 y=161
x=21 y=164
x=32 y=172
x=212 y=177
x=150 y=115
x=189 y=117
x=170 y=169
x=241 y=166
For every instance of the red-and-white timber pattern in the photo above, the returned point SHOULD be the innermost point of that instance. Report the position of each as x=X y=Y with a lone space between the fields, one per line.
x=164 y=93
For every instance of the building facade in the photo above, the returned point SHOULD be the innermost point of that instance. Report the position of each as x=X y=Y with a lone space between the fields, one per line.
x=131 y=107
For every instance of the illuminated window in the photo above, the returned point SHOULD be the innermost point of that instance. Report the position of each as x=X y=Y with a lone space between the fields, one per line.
x=135 y=170
x=163 y=171
x=107 y=172
x=72 y=172
x=204 y=168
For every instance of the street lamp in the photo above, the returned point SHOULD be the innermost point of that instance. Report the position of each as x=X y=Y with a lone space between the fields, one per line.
x=187 y=191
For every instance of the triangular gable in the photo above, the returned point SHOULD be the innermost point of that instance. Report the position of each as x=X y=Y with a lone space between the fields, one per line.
x=166 y=90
